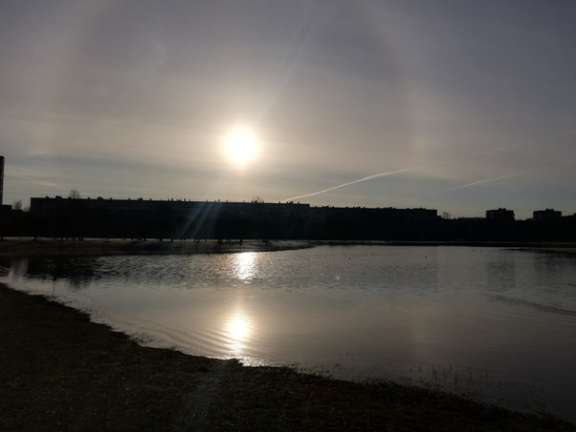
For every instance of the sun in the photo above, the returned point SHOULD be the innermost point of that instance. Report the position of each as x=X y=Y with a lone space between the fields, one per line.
x=241 y=146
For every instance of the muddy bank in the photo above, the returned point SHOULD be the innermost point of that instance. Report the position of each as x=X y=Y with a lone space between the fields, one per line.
x=38 y=248
x=59 y=371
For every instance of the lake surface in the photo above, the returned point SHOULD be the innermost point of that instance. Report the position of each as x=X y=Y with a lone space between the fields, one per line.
x=498 y=324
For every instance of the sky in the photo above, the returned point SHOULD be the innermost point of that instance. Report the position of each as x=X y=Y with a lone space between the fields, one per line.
x=457 y=105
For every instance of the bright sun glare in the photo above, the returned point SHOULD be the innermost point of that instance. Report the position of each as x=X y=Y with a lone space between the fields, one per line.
x=241 y=146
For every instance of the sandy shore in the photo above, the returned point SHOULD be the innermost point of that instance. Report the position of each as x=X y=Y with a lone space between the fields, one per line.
x=32 y=248
x=60 y=372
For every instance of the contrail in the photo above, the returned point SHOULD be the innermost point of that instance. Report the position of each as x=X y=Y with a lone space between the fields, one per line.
x=360 y=180
x=479 y=182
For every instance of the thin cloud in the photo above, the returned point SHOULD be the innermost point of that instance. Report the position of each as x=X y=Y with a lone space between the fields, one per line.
x=478 y=183
x=343 y=185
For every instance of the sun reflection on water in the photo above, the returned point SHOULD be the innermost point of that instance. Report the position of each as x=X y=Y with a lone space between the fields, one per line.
x=244 y=265
x=239 y=329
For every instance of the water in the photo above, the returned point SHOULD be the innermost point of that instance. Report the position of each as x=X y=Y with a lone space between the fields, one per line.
x=497 y=324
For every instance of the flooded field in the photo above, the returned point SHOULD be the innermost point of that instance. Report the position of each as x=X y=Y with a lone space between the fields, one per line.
x=494 y=323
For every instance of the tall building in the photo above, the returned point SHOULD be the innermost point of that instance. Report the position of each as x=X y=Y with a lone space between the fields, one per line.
x=1 y=180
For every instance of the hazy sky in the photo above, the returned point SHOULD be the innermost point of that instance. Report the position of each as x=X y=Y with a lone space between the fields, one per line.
x=466 y=104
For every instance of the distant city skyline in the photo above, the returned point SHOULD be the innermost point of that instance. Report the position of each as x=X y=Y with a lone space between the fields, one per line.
x=456 y=105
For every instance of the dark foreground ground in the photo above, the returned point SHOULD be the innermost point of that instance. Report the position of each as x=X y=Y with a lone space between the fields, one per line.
x=60 y=372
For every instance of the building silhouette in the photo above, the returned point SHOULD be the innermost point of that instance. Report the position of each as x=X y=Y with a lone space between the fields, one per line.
x=1 y=180
x=59 y=217
x=5 y=210
x=547 y=215
x=500 y=215
x=139 y=218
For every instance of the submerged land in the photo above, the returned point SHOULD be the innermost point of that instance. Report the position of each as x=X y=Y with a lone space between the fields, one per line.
x=101 y=247
x=60 y=371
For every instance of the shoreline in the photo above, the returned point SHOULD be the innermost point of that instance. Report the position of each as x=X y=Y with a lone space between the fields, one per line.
x=502 y=244
x=15 y=248
x=60 y=371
